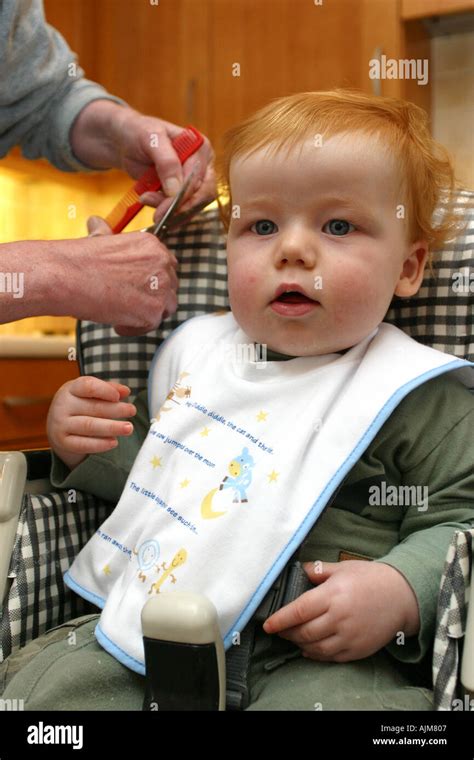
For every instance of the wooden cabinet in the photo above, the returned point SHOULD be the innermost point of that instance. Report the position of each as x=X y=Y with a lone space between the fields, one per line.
x=156 y=56
x=27 y=387
x=77 y=22
x=270 y=48
x=423 y=8
x=212 y=62
x=386 y=34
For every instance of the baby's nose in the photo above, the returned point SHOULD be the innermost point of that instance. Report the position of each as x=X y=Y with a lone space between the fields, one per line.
x=302 y=255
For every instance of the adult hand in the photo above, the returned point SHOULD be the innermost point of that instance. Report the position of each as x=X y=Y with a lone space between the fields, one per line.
x=164 y=287
x=106 y=135
x=358 y=607
x=127 y=280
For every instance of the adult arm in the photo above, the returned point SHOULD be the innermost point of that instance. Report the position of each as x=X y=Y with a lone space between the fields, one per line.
x=42 y=88
x=127 y=279
x=50 y=110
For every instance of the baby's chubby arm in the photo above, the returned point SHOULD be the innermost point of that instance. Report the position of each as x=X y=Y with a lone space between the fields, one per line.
x=356 y=609
x=84 y=418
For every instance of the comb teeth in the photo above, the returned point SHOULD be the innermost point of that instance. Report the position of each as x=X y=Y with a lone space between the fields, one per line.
x=186 y=140
x=119 y=210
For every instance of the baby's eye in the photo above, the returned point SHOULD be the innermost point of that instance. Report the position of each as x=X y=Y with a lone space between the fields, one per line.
x=338 y=227
x=264 y=227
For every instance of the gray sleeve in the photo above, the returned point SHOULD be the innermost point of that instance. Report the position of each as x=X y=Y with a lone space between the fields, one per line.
x=42 y=88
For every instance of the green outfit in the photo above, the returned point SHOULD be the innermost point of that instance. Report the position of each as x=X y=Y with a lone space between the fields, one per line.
x=426 y=441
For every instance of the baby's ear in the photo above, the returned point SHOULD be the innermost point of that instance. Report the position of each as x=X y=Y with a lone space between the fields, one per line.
x=413 y=269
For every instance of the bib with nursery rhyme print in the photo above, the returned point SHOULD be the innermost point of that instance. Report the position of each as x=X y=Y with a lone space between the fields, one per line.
x=241 y=457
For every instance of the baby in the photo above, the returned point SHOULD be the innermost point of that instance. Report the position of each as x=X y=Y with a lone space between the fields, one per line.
x=331 y=201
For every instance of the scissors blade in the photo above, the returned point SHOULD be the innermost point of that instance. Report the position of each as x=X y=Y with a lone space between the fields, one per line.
x=178 y=220
x=156 y=229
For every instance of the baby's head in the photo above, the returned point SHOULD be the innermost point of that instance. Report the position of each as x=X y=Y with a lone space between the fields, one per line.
x=331 y=207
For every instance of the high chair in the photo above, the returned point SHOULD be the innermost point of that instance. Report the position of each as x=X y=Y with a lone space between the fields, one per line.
x=41 y=530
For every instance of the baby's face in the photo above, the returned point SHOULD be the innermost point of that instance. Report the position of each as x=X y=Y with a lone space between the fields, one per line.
x=322 y=223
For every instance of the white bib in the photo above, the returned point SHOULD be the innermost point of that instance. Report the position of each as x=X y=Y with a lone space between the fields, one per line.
x=240 y=460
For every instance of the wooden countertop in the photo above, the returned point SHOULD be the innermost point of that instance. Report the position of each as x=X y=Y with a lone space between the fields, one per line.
x=36 y=346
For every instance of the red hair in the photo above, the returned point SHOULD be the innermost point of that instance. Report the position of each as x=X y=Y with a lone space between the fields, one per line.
x=425 y=170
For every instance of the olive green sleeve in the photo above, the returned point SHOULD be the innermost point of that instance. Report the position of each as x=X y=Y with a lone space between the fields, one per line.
x=426 y=445
x=104 y=475
x=441 y=472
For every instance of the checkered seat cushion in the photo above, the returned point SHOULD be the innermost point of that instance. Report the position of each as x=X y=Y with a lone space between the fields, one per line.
x=54 y=527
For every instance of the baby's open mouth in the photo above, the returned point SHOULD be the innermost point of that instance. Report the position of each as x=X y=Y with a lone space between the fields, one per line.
x=294 y=297
x=291 y=301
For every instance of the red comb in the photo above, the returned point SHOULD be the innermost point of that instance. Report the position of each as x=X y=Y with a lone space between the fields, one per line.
x=185 y=144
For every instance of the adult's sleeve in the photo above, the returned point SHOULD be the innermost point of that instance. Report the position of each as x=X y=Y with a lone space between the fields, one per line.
x=104 y=475
x=42 y=88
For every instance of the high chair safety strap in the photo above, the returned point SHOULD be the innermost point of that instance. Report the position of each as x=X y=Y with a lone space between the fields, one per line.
x=289 y=585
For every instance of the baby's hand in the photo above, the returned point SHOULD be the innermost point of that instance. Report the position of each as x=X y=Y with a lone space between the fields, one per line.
x=83 y=418
x=358 y=607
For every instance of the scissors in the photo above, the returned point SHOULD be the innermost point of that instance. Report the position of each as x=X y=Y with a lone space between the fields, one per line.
x=170 y=218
